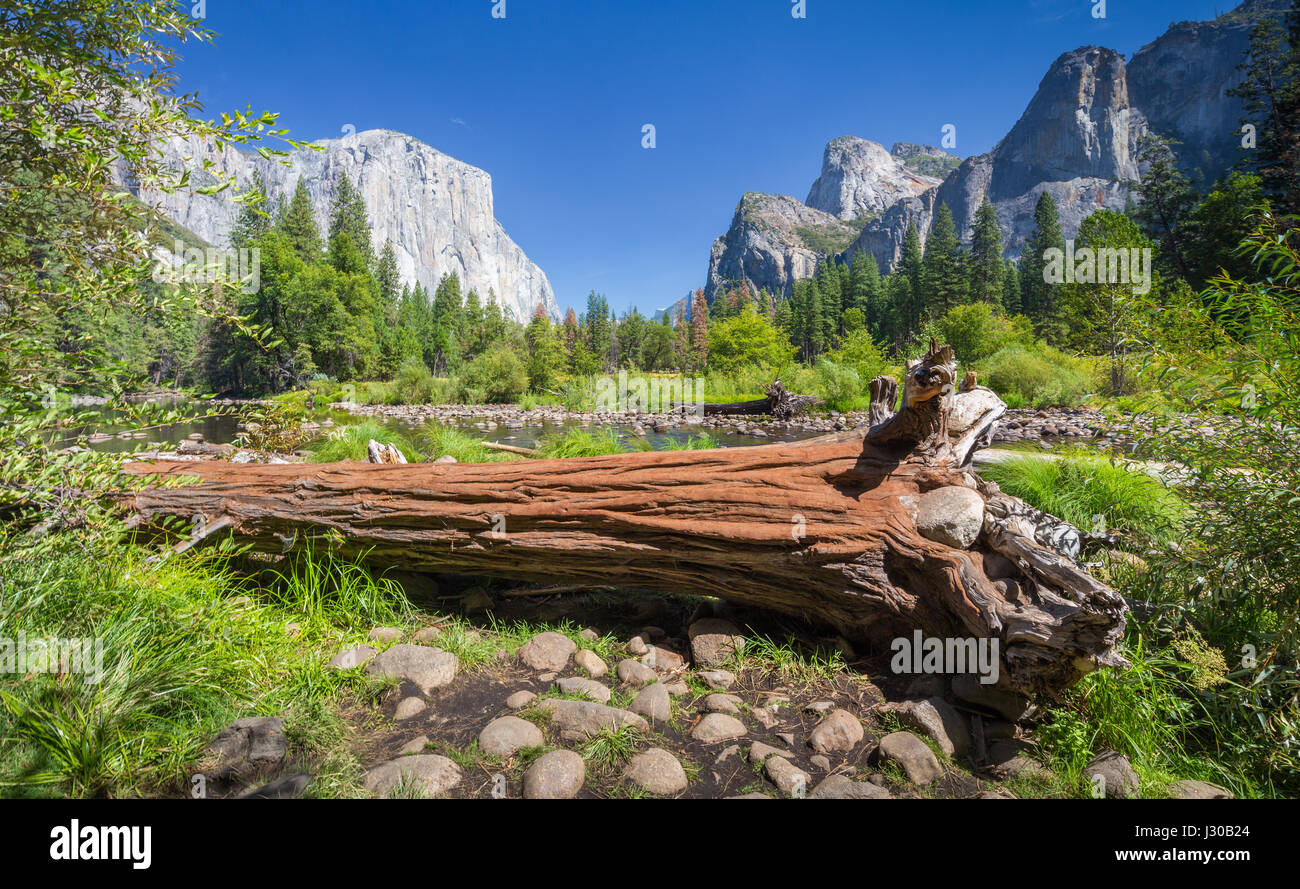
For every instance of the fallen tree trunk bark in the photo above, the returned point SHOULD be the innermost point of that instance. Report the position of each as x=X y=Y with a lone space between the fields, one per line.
x=837 y=531
x=779 y=403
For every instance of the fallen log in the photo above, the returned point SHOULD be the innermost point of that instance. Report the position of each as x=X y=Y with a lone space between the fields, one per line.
x=850 y=531
x=779 y=403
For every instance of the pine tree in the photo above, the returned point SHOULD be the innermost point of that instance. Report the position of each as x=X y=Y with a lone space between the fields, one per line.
x=253 y=221
x=1011 y=288
x=386 y=274
x=699 y=354
x=1167 y=201
x=944 y=265
x=1039 y=299
x=1270 y=95
x=987 y=272
x=911 y=267
x=832 y=300
x=298 y=224
x=349 y=229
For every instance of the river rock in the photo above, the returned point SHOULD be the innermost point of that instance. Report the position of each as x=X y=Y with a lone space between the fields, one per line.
x=653 y=702
x=428 y=668
x=432 y=774
x=910 y=752
x=577 y=685
x=714 y=728
x=952 y=515
x=548 y=651
x=555 y=775
x=508 y=734
x=591 y=662
x=839 y=732
x=657 y=771
x=579 y=720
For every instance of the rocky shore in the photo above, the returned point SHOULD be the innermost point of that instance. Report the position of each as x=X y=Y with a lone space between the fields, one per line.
x=1050 y=426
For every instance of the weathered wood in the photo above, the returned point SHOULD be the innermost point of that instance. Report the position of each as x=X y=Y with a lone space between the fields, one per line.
x=779 y=403
x=823 y=530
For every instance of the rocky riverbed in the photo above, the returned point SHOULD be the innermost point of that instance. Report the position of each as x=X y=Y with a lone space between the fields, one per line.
x=1048 y=426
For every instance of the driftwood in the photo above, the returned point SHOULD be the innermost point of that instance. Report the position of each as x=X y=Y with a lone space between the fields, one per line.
x=826 y=529
x=778 y=403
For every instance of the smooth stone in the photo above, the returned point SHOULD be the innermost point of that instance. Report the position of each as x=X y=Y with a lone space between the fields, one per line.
x=548 y=651
x=714 y=642
x=432 y=774
x=427 y=635
x=821 y=762
x=788 y=777
x=385 y=634
x=632 y=672
x=759 y=752
x=410 y=707
x=577 y=685
x=915 y=757
x=428 y=668
x=579 y=720
x=1112 y=772
x=1189 y=789
x=637 y=646
x=842 y=787
x=719 y=679
x=714 y=728
x=720 y=703
x=520 y=699
x=677 y=688
x=415 y=745
x=353 y=657
x=555 y=775
x=591 y=662
x=664 y=659
x=951 y=515
x=657 y=771
x=653 y=702
x=936 y=719
x=507 y=734
x=839 y=732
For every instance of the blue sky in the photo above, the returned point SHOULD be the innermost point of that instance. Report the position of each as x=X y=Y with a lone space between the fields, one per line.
x=551 y=100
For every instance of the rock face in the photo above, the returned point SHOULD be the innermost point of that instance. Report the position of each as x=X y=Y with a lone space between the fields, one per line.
x=1181 y=82
x=773 y=241
x=437 y=211
x=1078 y=139
x=860 y=178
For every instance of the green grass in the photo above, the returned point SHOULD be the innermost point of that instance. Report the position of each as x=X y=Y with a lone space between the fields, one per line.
x=1080 y=486
x=789 y=660
x=581 y=443
x=186 y=651
x=350 y=442
x=439 y=440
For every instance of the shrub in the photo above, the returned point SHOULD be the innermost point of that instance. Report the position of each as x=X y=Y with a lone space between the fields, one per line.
x=975 y=331
x=841 y=387
x=414 y=383
x=496 y=376
x=1040 y=375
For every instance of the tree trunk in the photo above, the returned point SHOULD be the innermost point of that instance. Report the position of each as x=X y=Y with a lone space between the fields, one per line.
x=779 y=403
x=825 y=529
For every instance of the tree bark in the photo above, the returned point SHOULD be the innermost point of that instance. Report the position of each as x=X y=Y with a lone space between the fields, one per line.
x=778 y=403
x=825 y=529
